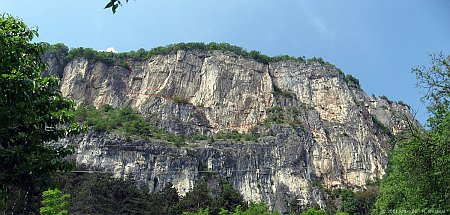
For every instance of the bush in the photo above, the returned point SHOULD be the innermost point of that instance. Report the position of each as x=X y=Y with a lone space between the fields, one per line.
x=312 y=211
x=129 y=123
x=360 y=202
x=386 y=98
x=178 y=140
x=281 y=92
x=380 y=125
x=215 y=200
x=289 y=115
x=348 y=202
x=253 y=209
x=90 y=54
x=350 y=79
x=404 y=104
x=54 y=202
x=57 y=49
x=124 y=120
x=235 y=135
x=199 y=212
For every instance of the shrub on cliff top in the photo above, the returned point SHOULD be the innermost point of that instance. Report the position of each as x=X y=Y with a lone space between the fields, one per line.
x=121 y=59
x=111 y=58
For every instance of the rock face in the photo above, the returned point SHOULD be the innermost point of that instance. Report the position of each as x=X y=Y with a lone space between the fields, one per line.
x=344 y=140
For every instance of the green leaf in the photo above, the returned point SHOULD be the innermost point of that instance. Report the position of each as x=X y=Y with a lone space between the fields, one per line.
x=110 y=4
x=114 y=8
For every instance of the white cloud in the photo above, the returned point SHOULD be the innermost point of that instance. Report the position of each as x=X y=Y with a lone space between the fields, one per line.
x=111 y=49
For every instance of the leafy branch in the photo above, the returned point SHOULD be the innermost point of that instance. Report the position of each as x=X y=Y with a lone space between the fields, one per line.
x=114 y=4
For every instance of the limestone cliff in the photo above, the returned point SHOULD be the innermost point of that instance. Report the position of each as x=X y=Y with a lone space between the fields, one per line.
x=343 y=140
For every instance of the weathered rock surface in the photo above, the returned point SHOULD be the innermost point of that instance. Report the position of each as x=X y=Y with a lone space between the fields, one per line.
x=274 y=170
x=209 y=91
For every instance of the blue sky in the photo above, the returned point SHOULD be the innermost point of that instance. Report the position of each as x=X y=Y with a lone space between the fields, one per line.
x=376 y=41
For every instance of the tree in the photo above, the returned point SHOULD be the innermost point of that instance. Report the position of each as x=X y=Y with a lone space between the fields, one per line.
x=113 y=195
x=199 y=212
x=436 y=81
x=32 y=113
x=348 y=202
x=228 y=198
x=213 y=198
x=199 y=197
x=54 y=202
x=418 y=175
x=313 y=211
x=253 y=209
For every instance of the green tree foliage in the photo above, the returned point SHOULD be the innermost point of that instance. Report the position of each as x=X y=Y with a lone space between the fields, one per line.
x=54 y=202
x=106 y=118
x=90 y=54
x=110 y=58
x=418 y=175
x=366 y=198
x=99 y=193
x=235 y=135
x=283 y=93
x=32 y=113
x=199 y=212
x=436 y=81
x=194 y=200
x=348 y=202
x=253 y=209
x=381 y=126
x=349 y=78
x=312 y=211
x=121 y=59
x=228 y=198
x=202 y=197
x=114 y=4
x=127 y=122
x=122 y=196
x=404 y=104
x=289 y=115
x=57 y=49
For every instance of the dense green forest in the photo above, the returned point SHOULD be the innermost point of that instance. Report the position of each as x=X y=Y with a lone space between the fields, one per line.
x=35 y=176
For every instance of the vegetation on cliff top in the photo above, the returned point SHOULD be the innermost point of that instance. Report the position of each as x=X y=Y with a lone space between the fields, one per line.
x=141 y=54
x=121 y=59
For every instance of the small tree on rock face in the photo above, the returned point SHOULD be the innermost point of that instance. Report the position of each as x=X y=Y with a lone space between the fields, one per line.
x=32 y=113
